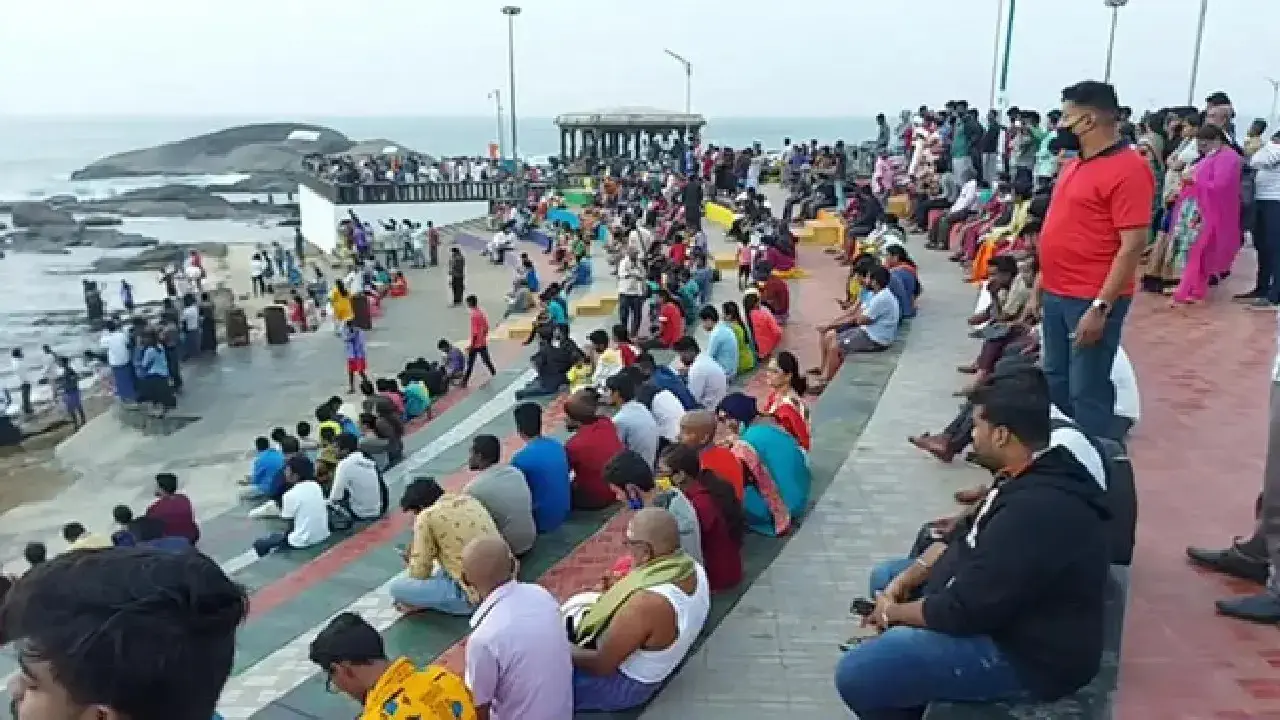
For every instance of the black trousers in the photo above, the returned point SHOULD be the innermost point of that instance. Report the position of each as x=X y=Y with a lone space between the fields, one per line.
x=478 y=352
x=455 y=286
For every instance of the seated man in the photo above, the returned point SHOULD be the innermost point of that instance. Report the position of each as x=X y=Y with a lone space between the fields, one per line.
x=593 y=444
x=443 y=525
x=303 y=505
x=453 y=360
x=354 y=661
x=504 y=492
x=872 y=328
x=556 y=355
x=1009 y=606
x=497 y=248
x=357 y=489
x=635 y=634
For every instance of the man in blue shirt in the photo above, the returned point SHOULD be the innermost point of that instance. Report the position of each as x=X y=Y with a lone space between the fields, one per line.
x=722 y=344
x=530 y=273
x=268 y=465
x=546 y=469
x=664 y=378
x=872 y=329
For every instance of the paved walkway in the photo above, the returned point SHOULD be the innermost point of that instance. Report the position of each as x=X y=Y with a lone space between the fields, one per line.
x=774 y=656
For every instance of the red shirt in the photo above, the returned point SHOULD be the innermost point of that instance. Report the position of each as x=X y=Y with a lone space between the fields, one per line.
x=721 y=552
x=723 y=462
x=175 y=513
x=672 y=324
x=589 y=450
x=1093 y=201
x=775 y=293
x=628 y=353
x=479 y=329
x=678 y=253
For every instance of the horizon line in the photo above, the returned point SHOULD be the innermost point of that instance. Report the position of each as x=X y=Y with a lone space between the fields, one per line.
x=406 y=116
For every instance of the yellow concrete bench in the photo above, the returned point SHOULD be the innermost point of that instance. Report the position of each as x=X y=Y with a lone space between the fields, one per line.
x=595 y=305
x=718 y=214
x=726 y=261
x=826 y=232
x=826 y=214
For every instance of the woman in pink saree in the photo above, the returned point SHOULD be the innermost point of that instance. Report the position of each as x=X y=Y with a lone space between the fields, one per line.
x=1214 y=183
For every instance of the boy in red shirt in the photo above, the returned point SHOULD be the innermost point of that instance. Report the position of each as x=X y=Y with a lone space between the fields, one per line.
x=478 y=341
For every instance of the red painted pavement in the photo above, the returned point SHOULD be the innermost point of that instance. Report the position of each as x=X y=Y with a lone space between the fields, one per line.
x=1198 y=454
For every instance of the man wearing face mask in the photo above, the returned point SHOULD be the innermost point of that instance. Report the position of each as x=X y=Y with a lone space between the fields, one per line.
x=1091 y=243
x=518 y=658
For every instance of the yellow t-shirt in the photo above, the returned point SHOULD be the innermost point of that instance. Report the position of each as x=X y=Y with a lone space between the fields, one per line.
x=342 y=311
x=433 y=693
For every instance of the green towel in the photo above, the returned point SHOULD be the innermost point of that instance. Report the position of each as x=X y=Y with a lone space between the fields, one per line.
x=659 y=571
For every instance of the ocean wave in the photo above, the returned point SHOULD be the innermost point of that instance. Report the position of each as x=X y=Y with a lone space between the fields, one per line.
x=31 y=189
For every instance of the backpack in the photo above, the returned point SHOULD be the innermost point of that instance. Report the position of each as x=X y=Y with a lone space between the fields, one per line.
x=1122 y=495
x=436 y=380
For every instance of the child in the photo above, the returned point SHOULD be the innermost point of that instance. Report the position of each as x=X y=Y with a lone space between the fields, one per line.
x=703 y=275
x=122 y=537
x=357 y=363
x=69 y=384
x=454 y=361
x=744 y=263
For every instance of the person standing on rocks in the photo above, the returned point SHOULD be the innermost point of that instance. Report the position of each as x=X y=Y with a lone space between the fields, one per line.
x=126 y=296
x=22 y=373
x=115 y=341
x=299 y=246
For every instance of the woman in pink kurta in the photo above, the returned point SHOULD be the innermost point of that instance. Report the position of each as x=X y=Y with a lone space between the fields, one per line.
x=1215 y=185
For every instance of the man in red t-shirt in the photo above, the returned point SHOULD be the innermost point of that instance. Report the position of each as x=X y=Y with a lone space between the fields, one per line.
x=670 y=323
x=1090 y=244
x=593 y=444
x=478 y=340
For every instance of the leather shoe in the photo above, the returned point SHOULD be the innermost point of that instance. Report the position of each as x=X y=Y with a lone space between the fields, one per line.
x=1261 y=608
x=1230 y=561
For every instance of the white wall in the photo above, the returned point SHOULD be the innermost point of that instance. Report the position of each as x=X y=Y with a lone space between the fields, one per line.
x=320 y=217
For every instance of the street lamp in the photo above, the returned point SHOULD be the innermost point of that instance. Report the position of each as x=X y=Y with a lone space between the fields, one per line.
x=1275 y=95
x=995 y=53
x=511 y=11
x=1195 y=59
x=688 y=90
x=1115 y=6
x=1002 y=99
x=496 y=96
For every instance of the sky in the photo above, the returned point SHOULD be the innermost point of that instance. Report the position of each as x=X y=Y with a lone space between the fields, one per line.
x=751 y=58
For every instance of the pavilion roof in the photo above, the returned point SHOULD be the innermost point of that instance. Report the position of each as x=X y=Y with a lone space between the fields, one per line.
x=630 y=116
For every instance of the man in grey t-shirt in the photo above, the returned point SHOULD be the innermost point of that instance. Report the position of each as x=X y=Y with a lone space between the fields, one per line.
x=503 y=491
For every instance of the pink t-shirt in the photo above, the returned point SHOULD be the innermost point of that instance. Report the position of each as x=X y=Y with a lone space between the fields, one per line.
x=479 y=329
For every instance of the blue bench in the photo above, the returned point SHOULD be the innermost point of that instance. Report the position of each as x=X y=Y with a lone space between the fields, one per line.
x=1091 y=702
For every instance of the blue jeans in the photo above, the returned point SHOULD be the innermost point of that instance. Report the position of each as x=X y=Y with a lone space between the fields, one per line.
x=438 y=592
x=275 y=541
x=1080 y=378
x=898 y=674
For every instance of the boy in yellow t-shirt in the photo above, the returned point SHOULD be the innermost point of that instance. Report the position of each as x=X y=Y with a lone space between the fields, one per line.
x=351 y=654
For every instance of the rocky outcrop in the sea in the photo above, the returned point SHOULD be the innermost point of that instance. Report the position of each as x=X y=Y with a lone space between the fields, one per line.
x=262 y=148
x=40 y=214
x=179 y=201
x=58 y=239
x=157 y=257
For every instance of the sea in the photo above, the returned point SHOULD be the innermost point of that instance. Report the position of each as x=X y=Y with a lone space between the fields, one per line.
x=40 y=296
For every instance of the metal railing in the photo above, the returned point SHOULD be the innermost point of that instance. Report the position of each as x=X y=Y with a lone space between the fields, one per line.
x=429 y=192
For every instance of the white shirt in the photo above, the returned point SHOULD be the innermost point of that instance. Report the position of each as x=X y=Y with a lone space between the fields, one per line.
x=304 y=504
x=1267 y=162
x=968 y=197
x=667 y=411
x=116 y=344
x=357 y=476
x=21 y=371
x=256 y=267
x=707 y=382
x=191 y=318
x=1128 y=404
x=630 y=277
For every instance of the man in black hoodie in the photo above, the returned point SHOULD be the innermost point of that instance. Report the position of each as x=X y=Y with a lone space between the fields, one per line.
x=1009 y=606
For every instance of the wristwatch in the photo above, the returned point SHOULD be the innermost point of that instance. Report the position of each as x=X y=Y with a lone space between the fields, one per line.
x=1100 y=304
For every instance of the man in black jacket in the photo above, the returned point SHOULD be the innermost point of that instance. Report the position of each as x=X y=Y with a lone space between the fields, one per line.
x=1009 y=606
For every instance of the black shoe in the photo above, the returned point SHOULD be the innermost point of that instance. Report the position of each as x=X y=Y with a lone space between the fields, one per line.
x=1261 y=608
x=1230 y=561
x=1249 y=296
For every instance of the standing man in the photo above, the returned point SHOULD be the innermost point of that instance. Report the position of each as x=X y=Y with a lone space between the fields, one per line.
x=433 y=244
x=457 y=272
x=631 y=290
x=692 y=203
x=1047 y=153
x=989 y=147
x=519 y=661
x=1266 y=226
x=23 y=373
x=1092 y=240
x=478 y=340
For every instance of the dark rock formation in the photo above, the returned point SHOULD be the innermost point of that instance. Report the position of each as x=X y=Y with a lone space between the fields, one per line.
x=263 y=148
x=38 y=214
x=157 y=257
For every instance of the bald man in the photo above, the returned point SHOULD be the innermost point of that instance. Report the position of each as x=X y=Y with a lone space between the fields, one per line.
x=649 y=634
x=518 y=658
x=698 y=431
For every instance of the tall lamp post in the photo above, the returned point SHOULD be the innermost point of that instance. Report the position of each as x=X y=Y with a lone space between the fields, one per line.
x=1003 y=97
x=1195 y=59
x=1115 y=6
x=1275 y=96
x=995 y=54
x=688 y=91
x=511 y=11
x=496 y=96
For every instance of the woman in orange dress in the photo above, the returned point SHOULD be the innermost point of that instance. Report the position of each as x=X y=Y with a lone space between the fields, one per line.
x=764 y=326
x=785 y=402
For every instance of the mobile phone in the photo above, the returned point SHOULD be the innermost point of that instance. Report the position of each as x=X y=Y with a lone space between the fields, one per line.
x=861 y=606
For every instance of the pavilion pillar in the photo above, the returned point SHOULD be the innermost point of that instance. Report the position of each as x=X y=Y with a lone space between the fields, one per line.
x=564 y=141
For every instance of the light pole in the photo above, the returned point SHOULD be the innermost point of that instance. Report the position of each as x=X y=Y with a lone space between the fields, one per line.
x=1195 y=59
x=496 y=96
x=688 y=91
x=1275 y=96
x=1115 y=6
x=995 y=54
x=1003 y=97
x=511 y=11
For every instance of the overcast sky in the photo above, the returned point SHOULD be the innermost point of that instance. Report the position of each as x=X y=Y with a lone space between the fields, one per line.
x=762 y=58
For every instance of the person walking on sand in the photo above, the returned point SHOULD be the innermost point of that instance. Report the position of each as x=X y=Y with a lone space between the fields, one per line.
x=478 y=342
x=357 y=361
x=457 y=273
x=258 y=274
x=68 y=384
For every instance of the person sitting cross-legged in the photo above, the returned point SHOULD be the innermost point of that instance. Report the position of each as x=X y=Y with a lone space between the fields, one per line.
x=1009 y=605
x=303 y=505
x=443 y=525
x=630 y=638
